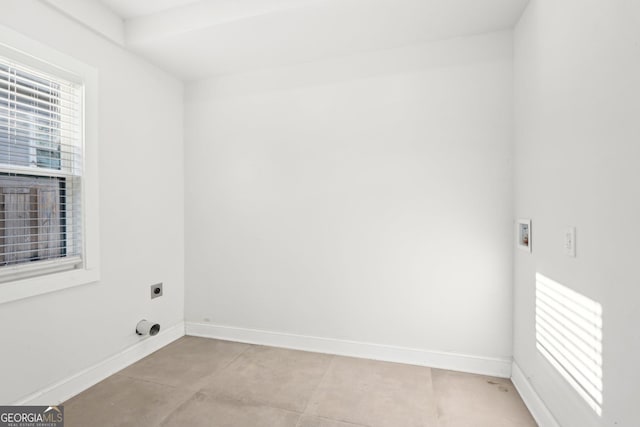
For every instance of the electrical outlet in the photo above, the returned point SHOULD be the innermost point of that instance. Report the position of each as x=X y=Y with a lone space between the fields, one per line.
x=156 y=290
x=570 y=241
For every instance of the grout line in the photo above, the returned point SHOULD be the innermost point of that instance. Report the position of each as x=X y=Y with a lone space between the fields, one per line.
x=195 y=392
x=341 y=421
x=213 y=374
x=131 y=377
x=436 y=411
x=315 y=390
x=220 y=370
x=184 y=402
x=181 y=402
x=249 y=346
x=252 y=402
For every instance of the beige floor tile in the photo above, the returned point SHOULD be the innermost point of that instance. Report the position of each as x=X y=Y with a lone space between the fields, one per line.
x=309 y=421
x=203 y=410
x=244 y=385
x=186 y=362
x=377 y=394
x=121 y=401
x=467 y=400
x=276 y=377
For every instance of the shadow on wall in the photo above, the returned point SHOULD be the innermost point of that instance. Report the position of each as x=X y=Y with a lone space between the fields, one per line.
x=569 y=336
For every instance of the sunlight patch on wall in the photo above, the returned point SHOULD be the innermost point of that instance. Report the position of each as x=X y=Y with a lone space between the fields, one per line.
x=569 y=335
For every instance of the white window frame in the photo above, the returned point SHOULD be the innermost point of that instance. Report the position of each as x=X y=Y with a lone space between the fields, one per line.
x=24 y=50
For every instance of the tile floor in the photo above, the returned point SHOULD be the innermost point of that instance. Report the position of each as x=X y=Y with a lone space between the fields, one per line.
x=203 y=382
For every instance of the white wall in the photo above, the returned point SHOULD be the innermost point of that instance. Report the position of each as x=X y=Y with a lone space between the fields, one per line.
x=365 y=198
x=50 y=337
x=577 y=72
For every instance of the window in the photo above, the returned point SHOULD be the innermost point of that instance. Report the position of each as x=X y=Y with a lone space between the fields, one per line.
x=40 y=169
x=48 y=169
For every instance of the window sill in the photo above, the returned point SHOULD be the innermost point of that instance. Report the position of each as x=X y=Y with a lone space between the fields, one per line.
x=32 y=286
x=22 y=271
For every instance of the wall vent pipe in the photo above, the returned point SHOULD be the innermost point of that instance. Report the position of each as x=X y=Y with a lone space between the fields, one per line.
x=145 y=327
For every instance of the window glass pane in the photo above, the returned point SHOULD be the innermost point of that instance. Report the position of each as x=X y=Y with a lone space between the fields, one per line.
x=29 y=120
x=32 y=219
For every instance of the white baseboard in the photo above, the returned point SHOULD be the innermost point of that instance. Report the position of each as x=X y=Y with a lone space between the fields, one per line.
x=536 y=406
x=451 y=361
x=69 y=387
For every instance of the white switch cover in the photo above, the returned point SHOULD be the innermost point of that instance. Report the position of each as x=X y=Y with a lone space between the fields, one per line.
x=570 y=241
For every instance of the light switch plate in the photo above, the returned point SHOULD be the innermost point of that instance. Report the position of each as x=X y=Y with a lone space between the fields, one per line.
x=570 y=241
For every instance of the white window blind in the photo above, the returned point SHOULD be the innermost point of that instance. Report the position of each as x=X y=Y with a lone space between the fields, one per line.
x=40 y=171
